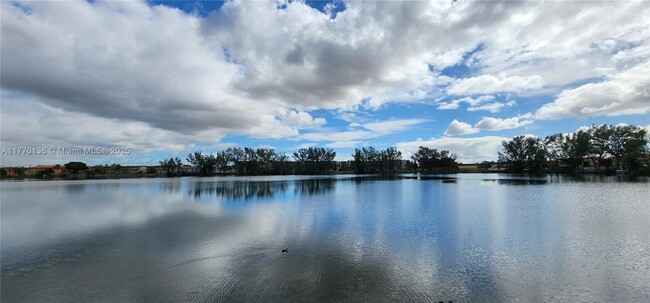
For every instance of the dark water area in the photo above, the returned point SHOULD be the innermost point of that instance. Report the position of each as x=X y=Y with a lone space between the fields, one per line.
x=466 y=238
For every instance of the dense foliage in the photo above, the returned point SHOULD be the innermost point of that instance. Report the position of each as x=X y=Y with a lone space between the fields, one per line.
x=314 y=160
x=75 y=167
x=601 y=146
x=598 y=148
x=241 y=161
x=431 y=159
x=170 y=166
x=369 y=160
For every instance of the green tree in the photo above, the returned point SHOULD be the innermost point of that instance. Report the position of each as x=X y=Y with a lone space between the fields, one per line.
x=429 y=159
x=20 y=171
x=96 y=170
x=599 y=143
x=44 y=173
x=195 y=158
x=486 y=165
x=555 y=148
x=425 y=158
x=205 y=163
x=523 y=154
x=264 y=158
x=314 y=160
x=366 y=160
x=569 y=149
x=281 y=165
x=170 y=166
x=628 y=143
x=447 y=161
x=411 y=165
x=391 y=160
x=235 y=157
x=248 y=163
x=76 y=167
x=223 y=160
x=358 y=162
x=372 y=159
x=116 y=168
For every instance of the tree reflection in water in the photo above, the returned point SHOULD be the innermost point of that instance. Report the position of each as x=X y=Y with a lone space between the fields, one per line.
x=173 y=186
x=247 y=190
x=517 y=181
x=312 y=187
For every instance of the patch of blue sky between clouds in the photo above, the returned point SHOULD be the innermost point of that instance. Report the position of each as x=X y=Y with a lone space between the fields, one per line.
x=24 y=8
x=605 y=56
x=205 y=7
x=466 y=67
x=331 y=8
x=199 y=8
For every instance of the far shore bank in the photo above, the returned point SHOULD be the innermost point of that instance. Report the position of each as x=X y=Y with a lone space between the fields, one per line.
x=156 y=176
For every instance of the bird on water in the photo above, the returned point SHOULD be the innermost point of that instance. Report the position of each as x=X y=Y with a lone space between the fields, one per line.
x=286 y=250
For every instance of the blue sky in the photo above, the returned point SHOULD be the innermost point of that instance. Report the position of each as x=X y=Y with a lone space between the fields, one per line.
x=169 y=77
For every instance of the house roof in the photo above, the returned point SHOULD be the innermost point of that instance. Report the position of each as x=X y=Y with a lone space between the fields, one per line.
x=43 y=166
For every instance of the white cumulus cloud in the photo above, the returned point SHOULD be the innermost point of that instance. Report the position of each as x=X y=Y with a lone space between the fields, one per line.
x=468 y=150
x=487 y=84
x=494 y=107
x=460 y=128
x=302 y=119
x=361 y=132
x=257 y=69
x=624 y=93
x=454 y=104
x=489 y=123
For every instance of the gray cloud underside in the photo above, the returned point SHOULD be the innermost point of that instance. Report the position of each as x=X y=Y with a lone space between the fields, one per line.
x=247 y=67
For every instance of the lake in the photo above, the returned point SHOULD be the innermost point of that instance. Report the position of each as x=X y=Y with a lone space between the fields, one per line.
x=465 y=238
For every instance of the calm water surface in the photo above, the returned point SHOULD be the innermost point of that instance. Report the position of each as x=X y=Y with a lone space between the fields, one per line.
x=461 y=237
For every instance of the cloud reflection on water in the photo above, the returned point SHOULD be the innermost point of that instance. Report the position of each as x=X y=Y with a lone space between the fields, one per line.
x=368 y=238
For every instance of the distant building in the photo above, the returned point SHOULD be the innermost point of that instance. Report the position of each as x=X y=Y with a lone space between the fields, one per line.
x=189 y=170
x=590 y=165
x=56 y=169
x=466 y=168
x=498 y=167
x=10 y=171
x=344 y=165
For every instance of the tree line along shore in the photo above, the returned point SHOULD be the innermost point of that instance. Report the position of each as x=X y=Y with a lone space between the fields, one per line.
x=603 y=149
